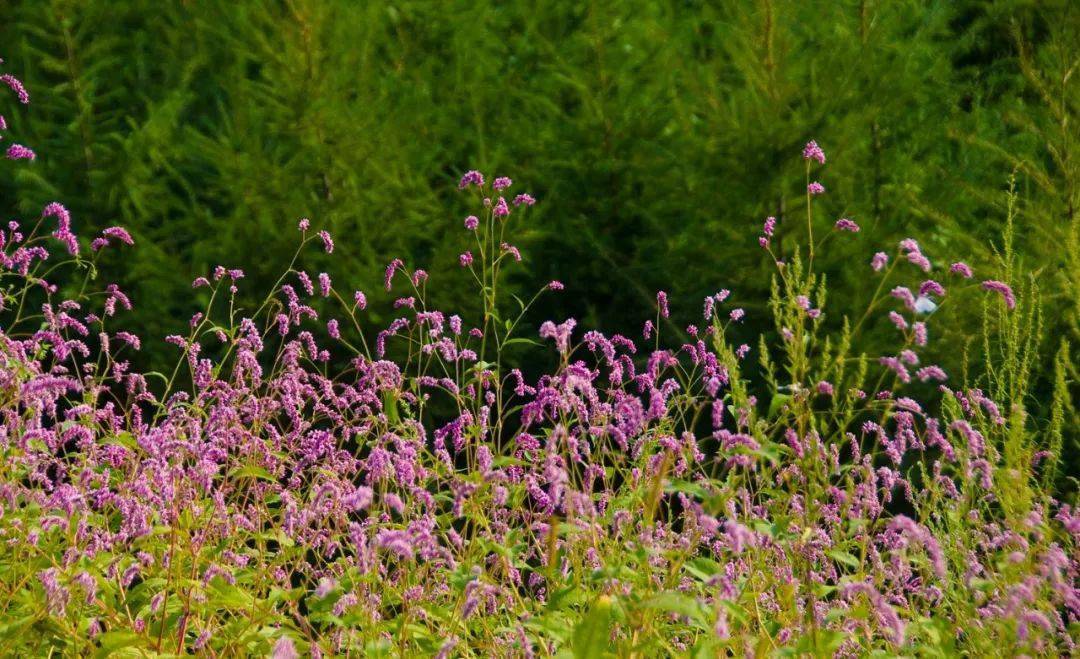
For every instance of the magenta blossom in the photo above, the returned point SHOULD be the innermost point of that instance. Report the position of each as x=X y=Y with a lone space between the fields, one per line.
x=471 y=177
x=962 y=269
x=20 y=152
x=813 y=152
x=1002 y=289
x=16 y=86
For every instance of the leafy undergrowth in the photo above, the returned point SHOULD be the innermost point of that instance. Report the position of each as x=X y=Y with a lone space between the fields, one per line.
x=292 y=489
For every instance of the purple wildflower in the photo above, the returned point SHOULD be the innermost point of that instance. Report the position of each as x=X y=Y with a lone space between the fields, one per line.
x=1003 y=289
x=16 y=86
x=662 y=303
x=931 y=287
x=20 y=152
x=962 y=269
x=472 y=177
x=284 y=649
x=813 y=152
x=328 y=242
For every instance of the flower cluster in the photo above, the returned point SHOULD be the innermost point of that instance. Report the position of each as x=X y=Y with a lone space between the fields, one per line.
x=290 y=489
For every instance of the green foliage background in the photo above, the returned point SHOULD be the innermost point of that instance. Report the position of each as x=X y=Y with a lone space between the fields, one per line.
x=657 y=135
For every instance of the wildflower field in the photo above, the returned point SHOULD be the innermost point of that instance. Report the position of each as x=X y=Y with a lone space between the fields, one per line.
x=813 y=466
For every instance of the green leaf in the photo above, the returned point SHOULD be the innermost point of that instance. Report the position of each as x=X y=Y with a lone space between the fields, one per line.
x=686 y=487
x=254 y=471
x=229 y=596
x=119 y=639
x=13 y=627
x=777 y=403
x=679 y=603
x=563 y=597
x=390 y=406
x=843 y=557
x=521 y=340
x=703 y=568
x=592 y=636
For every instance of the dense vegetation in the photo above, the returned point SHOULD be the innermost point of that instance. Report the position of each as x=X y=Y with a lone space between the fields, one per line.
x=207 y=127
x=330 y=470
x=662 y=129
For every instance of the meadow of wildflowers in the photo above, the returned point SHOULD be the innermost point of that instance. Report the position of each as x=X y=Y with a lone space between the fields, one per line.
x=298 y=485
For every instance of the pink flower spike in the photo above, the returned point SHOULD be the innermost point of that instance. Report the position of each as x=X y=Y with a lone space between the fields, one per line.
x=813 y=152
x=962 y=269
x=20 y=152
x=120 y=233
x=511 y=250
x=16 y=86
x=328 y=242
x=815 y=188
x=909 y=245
x=919 y=260
x=844 y=224
x=472 y=177
x=931 y=287
x=1003 y=289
